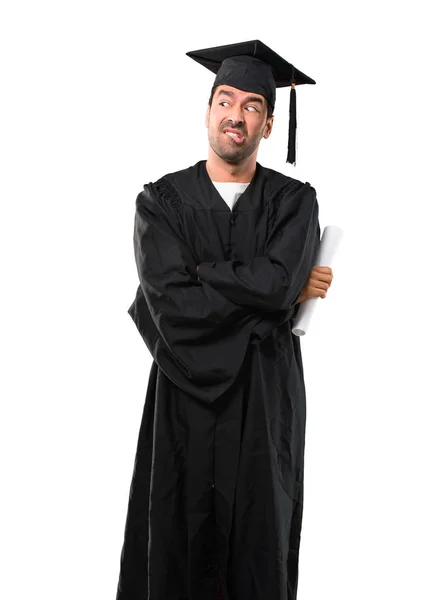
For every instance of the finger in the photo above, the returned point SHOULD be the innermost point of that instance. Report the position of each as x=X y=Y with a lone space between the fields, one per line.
x=319 y=283
x=317 y=291
x=323 y=269
x=321 y=275
x=322 y=280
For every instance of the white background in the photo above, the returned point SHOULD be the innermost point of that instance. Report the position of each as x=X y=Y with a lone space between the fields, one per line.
x=99 y=98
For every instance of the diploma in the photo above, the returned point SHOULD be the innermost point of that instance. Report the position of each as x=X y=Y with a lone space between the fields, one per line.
x=328 y=246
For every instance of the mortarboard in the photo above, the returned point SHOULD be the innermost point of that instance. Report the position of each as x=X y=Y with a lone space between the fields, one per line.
x=254 y=67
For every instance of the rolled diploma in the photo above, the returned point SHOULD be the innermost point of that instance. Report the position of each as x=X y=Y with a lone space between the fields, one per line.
x=328 y=246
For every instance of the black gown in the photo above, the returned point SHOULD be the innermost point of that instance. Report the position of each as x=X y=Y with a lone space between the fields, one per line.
x=216 y=498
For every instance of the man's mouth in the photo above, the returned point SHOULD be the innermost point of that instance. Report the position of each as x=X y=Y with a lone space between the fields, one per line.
x=235 y=135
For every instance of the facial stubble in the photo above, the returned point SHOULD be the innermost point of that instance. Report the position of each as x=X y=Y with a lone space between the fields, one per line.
x=229 y=150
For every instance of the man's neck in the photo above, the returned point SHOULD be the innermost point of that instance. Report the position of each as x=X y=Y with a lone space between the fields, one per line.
x=221 y=171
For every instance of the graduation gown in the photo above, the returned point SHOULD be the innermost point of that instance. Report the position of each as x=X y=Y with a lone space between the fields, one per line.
x=216 y=497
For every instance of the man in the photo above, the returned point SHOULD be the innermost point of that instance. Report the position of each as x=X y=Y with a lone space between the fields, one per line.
x=216 y=499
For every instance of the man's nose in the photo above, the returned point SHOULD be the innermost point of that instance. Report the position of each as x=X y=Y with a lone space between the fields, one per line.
x=237 y=115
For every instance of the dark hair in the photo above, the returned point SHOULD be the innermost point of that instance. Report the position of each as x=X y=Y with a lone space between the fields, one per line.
x=270 y=108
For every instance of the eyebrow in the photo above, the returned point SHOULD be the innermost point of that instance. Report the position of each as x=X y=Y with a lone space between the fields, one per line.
x=248 y=99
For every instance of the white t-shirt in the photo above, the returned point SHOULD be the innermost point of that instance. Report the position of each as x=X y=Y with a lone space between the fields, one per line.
x=230 y=191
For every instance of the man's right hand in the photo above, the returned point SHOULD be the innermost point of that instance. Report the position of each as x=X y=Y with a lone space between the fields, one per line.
x=317 y=284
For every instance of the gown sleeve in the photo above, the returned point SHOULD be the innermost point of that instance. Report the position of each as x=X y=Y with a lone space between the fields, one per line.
x=196 y=335
x=273 y=282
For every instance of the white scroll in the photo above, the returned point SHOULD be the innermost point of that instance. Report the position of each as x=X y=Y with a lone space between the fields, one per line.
x=329 y=244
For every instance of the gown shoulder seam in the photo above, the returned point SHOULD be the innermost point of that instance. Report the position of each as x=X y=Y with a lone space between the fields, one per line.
x=168 y=193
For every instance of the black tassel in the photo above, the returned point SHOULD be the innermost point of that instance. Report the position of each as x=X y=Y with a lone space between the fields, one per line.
x=292 y=126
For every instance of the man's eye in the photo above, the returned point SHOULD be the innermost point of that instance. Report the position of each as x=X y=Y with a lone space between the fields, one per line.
x=251 y=108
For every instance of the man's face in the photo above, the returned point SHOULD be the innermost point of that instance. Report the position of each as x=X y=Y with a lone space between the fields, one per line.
x=236 y=123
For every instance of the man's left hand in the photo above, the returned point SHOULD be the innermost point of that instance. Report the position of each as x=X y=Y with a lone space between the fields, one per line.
x=317 y=284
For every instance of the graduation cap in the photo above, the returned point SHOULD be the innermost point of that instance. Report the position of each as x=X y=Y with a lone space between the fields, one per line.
x=254 y=67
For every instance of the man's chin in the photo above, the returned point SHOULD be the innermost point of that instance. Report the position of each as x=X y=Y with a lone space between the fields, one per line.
x=231 y=156
x=233 y=160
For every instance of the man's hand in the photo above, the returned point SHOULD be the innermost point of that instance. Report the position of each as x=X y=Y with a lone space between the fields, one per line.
x=317 y=284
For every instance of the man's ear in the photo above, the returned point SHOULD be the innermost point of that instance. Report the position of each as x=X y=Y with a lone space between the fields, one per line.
x=207 y=116
x=268 y=127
